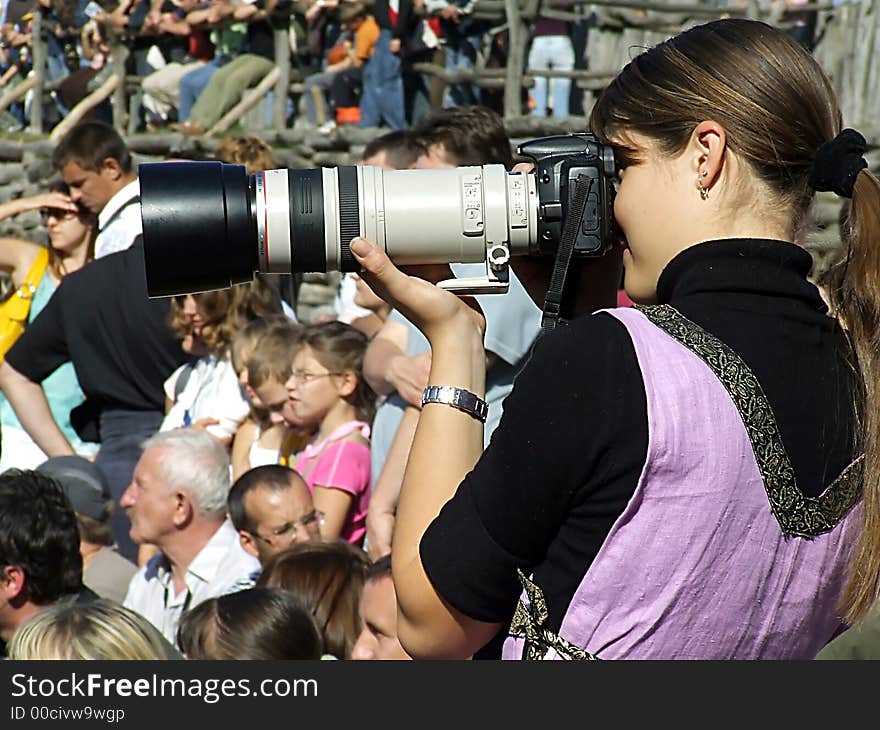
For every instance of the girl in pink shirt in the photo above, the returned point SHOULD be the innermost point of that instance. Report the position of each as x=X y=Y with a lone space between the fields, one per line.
x=327 y=392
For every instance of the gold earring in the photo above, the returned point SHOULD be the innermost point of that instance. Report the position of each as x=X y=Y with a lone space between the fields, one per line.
x=704 y=192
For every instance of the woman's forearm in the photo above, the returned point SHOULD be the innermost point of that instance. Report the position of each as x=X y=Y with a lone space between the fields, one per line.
x=447 y=445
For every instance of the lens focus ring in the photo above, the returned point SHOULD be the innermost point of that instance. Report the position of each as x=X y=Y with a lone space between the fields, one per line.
x=349 y=216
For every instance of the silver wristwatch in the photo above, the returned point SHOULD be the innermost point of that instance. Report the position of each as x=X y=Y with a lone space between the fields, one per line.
x=459 y=398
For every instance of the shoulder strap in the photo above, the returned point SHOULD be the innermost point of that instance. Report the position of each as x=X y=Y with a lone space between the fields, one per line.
x=118 y=211
x=183 y=379
x=796 y=514
x=18 y=306
x=38 y=268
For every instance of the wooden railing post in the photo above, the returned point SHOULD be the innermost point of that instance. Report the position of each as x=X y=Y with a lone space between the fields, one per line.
x=282 y=86
x=118 y=57
x=39 y=60
x=518 y=37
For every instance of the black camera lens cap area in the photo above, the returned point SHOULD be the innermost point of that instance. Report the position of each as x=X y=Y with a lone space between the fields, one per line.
x=199 y=231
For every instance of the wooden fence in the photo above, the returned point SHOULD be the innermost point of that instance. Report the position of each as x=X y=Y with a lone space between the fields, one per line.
x=846 y=47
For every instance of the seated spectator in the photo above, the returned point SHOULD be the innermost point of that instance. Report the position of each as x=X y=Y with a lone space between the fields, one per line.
x=40 y=562
x=228 y=83
x=77 y=85
x=14 y=67
x=271 y=507
x=338 y=86
x=328 y=578
x=105 y=571
x=206 y=393
x=59 y=21
x=260 y=439
x=228 y=39
x=177 y=502
x=267 y=624
x=378 y=611
x=326 y=393
x=191 y=51
x=36 y=271
x=101 y=630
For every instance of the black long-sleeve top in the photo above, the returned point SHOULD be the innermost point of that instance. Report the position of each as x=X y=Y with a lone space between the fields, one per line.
x=566 y=458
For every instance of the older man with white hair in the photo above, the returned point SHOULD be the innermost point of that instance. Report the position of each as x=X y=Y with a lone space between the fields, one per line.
x=177 y=502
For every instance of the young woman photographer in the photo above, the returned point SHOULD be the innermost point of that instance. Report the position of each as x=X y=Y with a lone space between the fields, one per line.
x=681 y=480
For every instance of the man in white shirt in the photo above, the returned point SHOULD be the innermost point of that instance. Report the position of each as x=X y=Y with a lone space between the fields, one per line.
x=96 y=165
x=177 y=502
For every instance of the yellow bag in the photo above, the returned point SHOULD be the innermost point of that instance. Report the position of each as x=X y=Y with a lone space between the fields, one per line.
x=15 y=310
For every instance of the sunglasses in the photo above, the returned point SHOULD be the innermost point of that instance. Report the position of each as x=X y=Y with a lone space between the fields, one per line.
x=58 y=214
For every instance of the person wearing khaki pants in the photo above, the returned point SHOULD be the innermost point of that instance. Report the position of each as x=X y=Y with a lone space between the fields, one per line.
x=225 y=88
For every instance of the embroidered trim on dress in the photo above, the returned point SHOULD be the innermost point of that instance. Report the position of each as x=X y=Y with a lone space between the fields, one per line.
x=528 y=622
x=796 y=514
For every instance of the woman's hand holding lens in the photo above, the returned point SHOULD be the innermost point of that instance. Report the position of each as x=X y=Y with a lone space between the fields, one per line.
x=436 y=312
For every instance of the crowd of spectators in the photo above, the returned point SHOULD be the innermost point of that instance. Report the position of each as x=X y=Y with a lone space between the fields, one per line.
x=212 y=446
x=207 y=477
x=352 y=61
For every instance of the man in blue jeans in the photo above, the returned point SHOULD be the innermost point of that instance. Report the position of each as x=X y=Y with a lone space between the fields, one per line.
x=464 y=36
x=382 y=99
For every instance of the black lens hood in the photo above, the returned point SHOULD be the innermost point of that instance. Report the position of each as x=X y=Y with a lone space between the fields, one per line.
x=199 y=227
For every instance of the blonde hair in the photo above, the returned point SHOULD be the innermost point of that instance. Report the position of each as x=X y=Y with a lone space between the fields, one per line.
x=99 y=630
x=272 y=358
x=245 y=341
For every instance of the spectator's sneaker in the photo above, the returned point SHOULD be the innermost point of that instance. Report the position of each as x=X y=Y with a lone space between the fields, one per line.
x=188 y=128
x=327 y=127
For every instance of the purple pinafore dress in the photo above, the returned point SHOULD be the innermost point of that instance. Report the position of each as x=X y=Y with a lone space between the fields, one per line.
x=718 y=555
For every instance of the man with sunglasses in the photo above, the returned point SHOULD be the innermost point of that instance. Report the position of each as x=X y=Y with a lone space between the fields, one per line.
x=272 y=509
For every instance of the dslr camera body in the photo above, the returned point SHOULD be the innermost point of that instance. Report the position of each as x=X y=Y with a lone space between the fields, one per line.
x=208 y=225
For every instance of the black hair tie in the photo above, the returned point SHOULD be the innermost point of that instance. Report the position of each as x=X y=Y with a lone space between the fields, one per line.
x=838 y=163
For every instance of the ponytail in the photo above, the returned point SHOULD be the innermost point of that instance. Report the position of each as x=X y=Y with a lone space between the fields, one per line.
x=855 y=297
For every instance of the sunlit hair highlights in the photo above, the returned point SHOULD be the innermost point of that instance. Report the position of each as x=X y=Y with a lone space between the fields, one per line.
x=99 y=630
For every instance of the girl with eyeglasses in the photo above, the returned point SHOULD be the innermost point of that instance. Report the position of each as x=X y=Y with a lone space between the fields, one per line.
x=327 y=392
x=35 y=272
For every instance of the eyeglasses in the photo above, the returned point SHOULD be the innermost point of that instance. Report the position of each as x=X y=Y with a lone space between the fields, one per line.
x=305 y=529
x=301 y=377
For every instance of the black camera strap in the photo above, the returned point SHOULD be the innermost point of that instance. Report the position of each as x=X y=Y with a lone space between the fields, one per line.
x=555 y=302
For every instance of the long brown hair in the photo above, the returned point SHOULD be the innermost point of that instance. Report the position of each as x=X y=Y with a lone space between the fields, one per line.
x=328 y=577
x=226 y=312
x=854 y=289
x=777 y=107
x=87 y=218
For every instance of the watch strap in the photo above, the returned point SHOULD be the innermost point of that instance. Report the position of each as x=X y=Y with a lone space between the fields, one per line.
x=458 y=398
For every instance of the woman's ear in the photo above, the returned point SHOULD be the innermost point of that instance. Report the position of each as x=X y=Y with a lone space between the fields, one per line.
x=708 y=147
